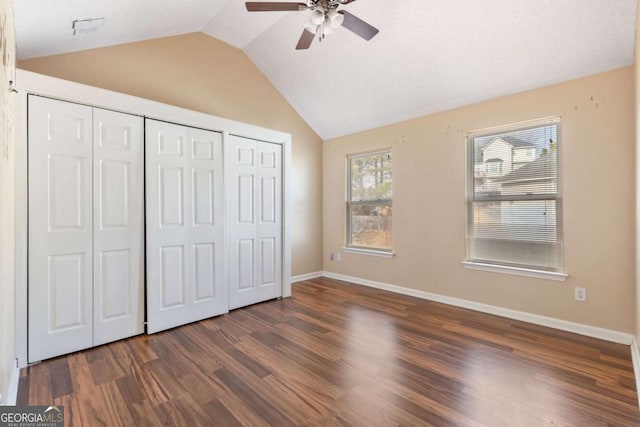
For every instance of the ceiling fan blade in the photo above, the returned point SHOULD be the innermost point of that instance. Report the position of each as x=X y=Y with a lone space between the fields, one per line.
x=274 y=6
x=358 y=26
x=345 y=1
x=305 y=40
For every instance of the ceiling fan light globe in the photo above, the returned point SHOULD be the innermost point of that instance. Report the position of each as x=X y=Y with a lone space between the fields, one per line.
x=336 y=20
x=317 y=17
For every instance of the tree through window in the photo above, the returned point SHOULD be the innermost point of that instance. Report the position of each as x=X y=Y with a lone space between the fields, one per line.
x=369 y=200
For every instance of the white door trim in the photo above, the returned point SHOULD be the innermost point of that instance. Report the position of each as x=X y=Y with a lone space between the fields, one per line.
x=38 y=84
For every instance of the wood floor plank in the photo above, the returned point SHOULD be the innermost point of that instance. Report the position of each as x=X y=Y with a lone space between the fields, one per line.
x=248 y=362
x=23 y=387
x=61 y=383
x=39 y=380
x=255 y=400
x=337 y=354
x=144 y=414
x=221 y=416
x=301 y=380
x=147 y=385
x=167 y=382
x=246 y=414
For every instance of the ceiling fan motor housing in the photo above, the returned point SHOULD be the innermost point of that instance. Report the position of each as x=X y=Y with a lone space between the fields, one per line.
x=327 y=4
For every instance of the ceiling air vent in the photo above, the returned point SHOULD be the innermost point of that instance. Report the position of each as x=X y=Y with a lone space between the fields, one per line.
x=85 y=26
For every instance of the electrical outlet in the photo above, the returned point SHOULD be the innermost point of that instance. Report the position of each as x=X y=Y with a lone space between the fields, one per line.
x=580 y=294
x=339 y=256
x=331 y=256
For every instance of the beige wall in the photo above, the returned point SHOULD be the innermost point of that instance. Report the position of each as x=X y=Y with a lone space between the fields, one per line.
x=7 y=200
x=636 y=69
x=204 y=74
x=429 y=202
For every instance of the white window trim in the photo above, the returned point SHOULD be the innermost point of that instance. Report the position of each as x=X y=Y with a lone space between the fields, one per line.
x=516 y=271
x=370 y=252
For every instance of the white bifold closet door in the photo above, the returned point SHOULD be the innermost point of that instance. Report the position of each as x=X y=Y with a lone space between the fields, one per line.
x=85 y=227
x=118 y=239
x=255 y=221
x=185 y=234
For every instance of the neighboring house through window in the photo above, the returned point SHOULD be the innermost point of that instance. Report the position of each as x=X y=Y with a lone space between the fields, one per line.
x=369 y=200
x=513 y=202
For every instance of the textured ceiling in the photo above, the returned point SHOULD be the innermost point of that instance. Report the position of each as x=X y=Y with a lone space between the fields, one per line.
x=43 y=27
x=430 y=55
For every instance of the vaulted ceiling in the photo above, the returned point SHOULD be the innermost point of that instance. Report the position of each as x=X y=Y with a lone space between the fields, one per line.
x=430 y=55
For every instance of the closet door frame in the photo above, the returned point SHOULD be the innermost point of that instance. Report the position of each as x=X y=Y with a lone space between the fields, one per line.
x=37 y=84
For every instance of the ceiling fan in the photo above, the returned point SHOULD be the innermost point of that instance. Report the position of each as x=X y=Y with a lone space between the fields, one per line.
x=325 y=18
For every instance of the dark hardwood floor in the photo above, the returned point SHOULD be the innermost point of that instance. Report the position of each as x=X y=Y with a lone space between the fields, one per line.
x=339 y=354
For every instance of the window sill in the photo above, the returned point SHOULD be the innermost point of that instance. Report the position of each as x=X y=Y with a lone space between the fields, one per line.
x=517 y=271
x=370 y=252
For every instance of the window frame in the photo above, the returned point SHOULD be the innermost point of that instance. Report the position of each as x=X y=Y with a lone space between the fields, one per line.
x=349 y=246
x=471 y=198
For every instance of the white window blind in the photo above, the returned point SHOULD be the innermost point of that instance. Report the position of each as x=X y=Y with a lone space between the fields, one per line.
x=514 y=210
x=369 y=200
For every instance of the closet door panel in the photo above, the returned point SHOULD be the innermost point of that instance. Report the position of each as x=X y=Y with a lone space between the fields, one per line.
x=242 y=199
x=184 y=225
x=166 y=190
x=207 y=180
x=204 y=262
x=270 y=223
x=255 y=226
x=118 y=226
x=60 y=228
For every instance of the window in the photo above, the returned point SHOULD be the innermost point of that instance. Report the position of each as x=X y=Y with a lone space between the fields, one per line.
x=514 y=215
x=493 y=167
x=369 y=201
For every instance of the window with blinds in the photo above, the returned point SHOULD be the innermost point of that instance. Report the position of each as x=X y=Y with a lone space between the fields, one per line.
x=369 y=200
x=514 y=210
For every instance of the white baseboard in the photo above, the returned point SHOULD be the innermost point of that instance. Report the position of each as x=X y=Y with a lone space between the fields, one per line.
x=563 y=325
x=308 y=276
x=635 y=358
x=12 y=392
